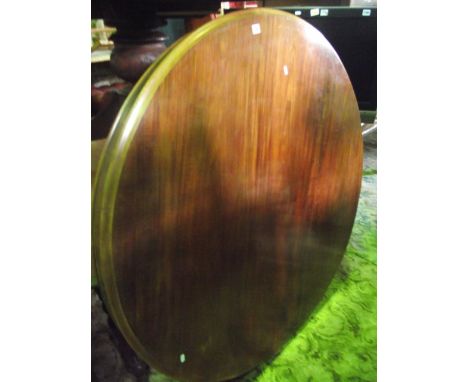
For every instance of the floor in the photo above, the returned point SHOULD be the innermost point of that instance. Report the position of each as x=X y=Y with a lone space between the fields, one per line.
x=339 y=341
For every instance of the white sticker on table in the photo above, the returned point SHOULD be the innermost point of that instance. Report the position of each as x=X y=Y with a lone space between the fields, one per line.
x=256 y=29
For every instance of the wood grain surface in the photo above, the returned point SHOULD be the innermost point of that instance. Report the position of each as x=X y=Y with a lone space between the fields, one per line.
x=226 y=194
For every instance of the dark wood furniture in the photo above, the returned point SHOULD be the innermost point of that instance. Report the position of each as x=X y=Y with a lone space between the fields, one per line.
x=226 y=194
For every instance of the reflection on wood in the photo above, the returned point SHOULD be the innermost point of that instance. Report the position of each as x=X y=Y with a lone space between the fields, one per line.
x=236 y=198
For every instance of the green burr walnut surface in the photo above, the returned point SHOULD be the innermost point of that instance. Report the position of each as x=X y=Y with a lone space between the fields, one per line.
x=339 y=341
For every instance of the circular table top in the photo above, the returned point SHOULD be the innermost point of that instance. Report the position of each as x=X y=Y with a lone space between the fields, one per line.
x=226 y=194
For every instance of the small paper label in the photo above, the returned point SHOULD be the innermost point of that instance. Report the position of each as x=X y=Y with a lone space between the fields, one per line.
x=297 y=13
x=256 y=29
x=314 y=12
x=324 y=12
x=366 y=12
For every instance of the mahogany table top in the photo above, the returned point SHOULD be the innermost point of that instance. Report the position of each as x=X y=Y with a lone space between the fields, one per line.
x=226 y=194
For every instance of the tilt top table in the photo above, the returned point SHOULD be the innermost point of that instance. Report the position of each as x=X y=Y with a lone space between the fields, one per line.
x=226 y=193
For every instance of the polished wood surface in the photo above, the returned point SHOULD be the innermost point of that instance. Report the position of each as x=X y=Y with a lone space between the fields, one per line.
x=226 y=194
